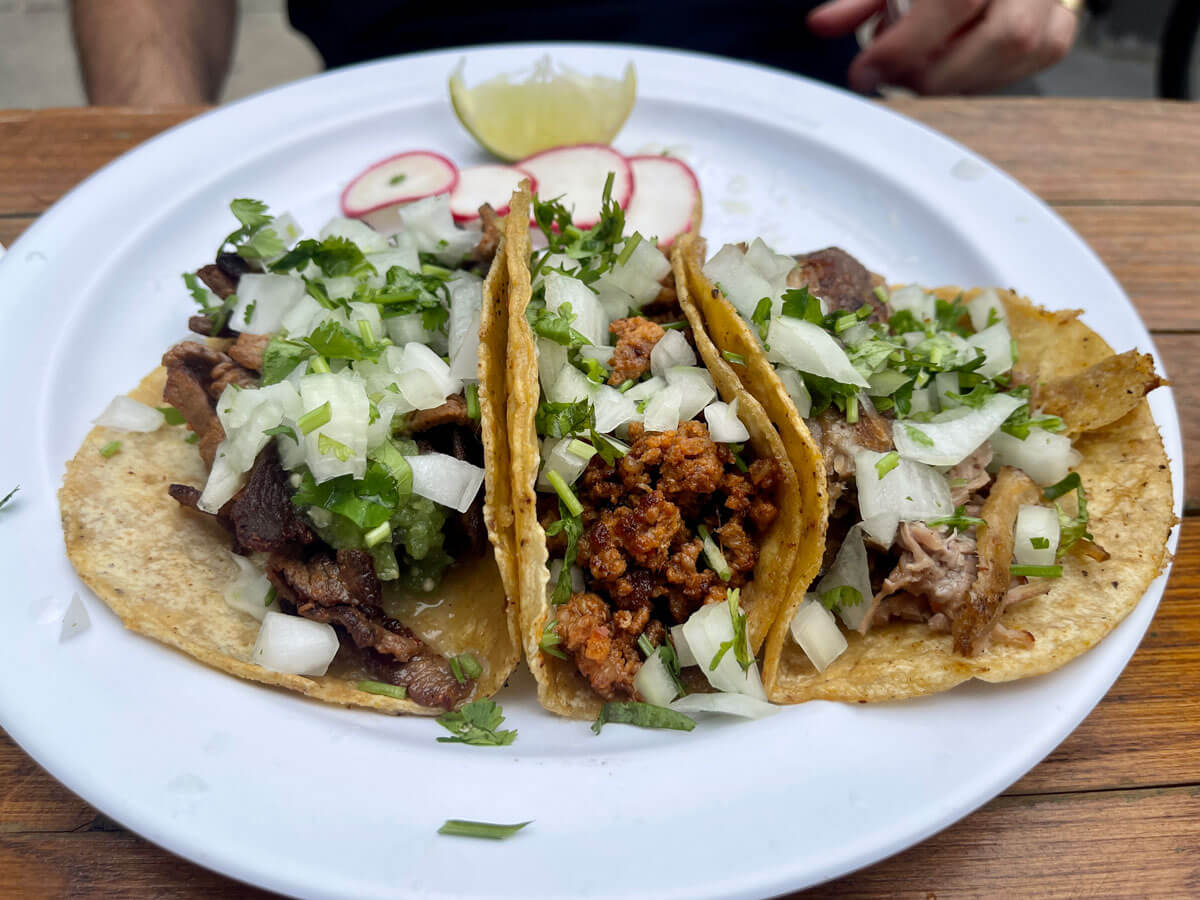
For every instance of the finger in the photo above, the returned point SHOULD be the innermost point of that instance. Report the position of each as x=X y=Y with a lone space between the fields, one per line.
x=1013 y=40
x=909 y=45
x=839 y=18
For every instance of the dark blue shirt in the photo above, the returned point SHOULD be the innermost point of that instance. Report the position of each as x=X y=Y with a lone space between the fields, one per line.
x=352 y=31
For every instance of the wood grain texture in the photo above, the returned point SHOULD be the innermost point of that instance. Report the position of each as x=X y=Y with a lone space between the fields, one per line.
x=1078 y=151
x=1108 y=844
x=1102 y=815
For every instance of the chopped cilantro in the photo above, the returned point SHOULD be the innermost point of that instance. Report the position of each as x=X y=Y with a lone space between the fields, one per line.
x=465 y=667
x=395 y=691
x=643 y=715
x=489 y=830
x=886 y=463
x=556 y=326
x=1071 y=528
x=741 y=641
x=957 y=522
x=287 y=430
x=550 y=640
x=1039 y=543
x=335 y=341
x=9 y=496
x=572 y=527
x=396 y=179
x=1036 y=571
x=917 y=435
x=172 y=415
x=477 y=724
x=802 y=304
x=111 y=449
x=471 y=395
x=761 y=318
x=334 y=256
x=842 y=596
x=315 y=418
x=281 y=357
x=560 y=420
x=736 y=358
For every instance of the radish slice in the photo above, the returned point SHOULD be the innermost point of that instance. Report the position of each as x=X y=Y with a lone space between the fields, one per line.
x=577 y=175
x=478 y=185
x=376 y=194
x=666 y=194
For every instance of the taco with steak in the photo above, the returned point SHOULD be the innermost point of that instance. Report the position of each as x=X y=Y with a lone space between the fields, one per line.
x=999 y=497
x=334 y=518
x=657 y=512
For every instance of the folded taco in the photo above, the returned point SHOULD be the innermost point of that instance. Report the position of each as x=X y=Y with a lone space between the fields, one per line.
x=999 y=495
x=656 y=511
x=335 y=518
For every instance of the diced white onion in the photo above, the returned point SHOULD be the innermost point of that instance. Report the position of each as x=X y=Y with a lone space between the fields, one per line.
x=996 y=344
x=340 y=287
x=647 y=389
x=404 y=256
x=420 y=389
x=1044 y=456
x=349 y=414
x=741 y=284
x=224 y=480
x=662 y=410
x=653 y=682
x=294 y=646
x=369 y=313
x=601 y=353
x=945 y=385
x=705 y=630
x=956 y=433
x=287 y=229
x=639 y=277
x=248 y=591
x=408 y=329
x=810 y=348
x=571 y=386
x=557 y=457
x=75 y=619
x=850 y=569
x=794 y=384
x=881 y=528
x=419 y=357
x=913 y=298
x=356 y=232
x=683 y=650
x=591 y=320
x=268 y=297
x=671 y=350
x=1036 y=522
x=126 y=414
x=613 y=409
x=984 y=306
x=911 y=491
x=924 y=399
x=552 y=357
x=696 y=389
x=774 y=267
x=817 y=633
x=727 y=704
x=433 y=229
x=445 y=480
x=300 y=319
x=724 y=426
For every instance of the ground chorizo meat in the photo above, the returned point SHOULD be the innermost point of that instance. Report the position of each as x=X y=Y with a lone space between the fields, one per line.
x=636 y=337
x=641 y=549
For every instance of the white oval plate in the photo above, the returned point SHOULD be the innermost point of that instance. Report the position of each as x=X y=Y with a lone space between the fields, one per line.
x=314 y=800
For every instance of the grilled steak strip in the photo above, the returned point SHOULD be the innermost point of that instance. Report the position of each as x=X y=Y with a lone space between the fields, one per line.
x=196 y=376
x=839 y=279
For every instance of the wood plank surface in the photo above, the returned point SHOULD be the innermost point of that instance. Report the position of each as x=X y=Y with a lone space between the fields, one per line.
x=1078 y=151
x=1113 y=812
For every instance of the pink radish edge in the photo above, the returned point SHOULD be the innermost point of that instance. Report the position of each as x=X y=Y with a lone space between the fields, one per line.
x=500 y=209
x=360 y=212
x=622 y=201
x=666 y=241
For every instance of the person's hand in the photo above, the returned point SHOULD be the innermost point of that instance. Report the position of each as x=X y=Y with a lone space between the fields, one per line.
x=952 y=46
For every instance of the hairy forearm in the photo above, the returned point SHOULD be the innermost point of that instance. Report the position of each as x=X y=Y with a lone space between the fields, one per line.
x=153 y=52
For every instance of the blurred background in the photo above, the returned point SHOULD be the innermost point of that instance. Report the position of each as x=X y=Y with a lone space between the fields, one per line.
x=1115 y=56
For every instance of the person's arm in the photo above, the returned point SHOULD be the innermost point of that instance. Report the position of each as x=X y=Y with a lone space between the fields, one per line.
x=153 y=52
x=953 y=46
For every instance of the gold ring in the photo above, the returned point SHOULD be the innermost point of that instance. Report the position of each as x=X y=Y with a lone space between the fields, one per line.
x=1073 y=6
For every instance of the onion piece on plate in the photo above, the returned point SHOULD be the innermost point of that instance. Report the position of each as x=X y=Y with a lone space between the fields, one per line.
x=294 y=646
x=75 y=619
x=126 y=414
x=728 y=704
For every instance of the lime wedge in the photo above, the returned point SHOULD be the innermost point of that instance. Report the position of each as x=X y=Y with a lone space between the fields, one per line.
x=514 y=116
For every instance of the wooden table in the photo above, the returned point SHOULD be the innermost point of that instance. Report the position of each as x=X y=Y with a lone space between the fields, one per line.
x=1114 y=811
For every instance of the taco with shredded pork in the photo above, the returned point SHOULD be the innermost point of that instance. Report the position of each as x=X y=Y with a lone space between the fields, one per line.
x=656 y=510
x=999 y=495
x=335 y=517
